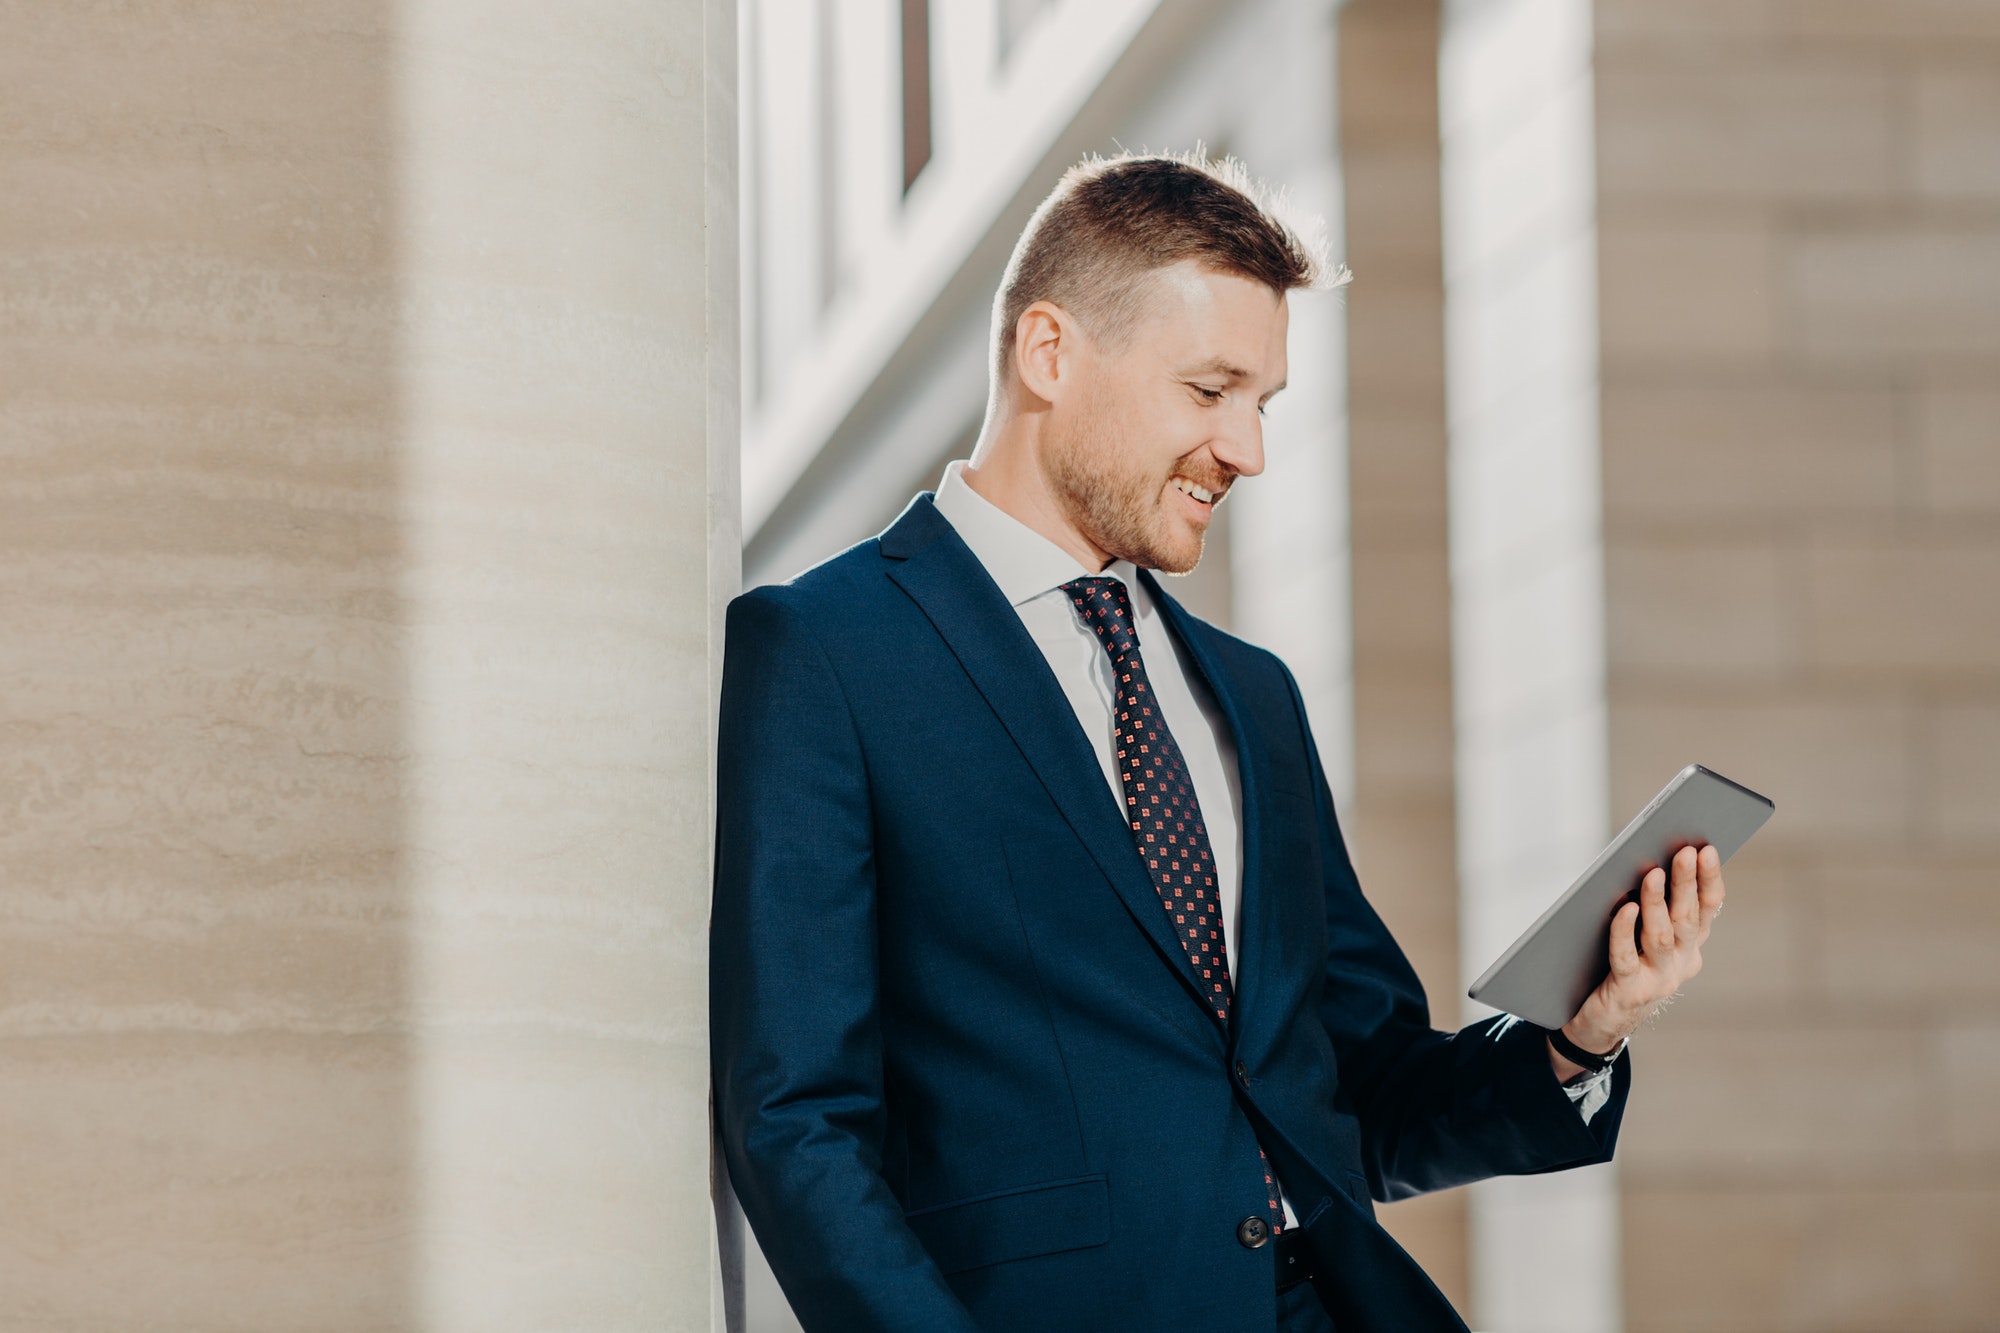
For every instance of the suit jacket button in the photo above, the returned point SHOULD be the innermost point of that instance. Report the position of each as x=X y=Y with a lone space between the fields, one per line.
x=1242 y=1072
x=1252 y=1232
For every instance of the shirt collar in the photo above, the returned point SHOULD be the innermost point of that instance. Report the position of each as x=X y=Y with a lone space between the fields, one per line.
x=1022 y=561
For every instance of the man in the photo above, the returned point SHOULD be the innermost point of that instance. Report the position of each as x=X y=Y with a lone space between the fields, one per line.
x=1043 y=993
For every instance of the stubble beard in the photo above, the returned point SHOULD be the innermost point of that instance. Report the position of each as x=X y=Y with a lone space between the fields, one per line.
x=1113 y=501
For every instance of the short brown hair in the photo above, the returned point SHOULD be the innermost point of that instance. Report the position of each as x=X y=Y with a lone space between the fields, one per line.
x=1110 y=221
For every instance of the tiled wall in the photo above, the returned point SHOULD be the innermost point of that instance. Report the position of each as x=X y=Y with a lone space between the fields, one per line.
x=1799 y=209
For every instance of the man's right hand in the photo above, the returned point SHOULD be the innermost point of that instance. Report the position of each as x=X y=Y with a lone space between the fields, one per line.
x=1655 y=949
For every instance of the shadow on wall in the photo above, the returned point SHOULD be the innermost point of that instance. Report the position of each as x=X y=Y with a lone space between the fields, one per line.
x=203 y=975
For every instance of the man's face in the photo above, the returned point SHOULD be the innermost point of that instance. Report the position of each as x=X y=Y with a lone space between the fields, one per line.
x=1168 y=415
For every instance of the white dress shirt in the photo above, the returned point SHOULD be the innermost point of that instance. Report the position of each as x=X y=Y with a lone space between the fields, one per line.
x=1030 y=571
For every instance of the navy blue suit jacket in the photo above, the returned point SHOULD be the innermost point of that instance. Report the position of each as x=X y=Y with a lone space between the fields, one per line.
x=964 y=1078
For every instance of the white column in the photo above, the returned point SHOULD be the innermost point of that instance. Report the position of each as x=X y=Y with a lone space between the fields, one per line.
x=867 y=100
x=1288 y=534
x=568 y=503
x=1527 y=572
x=789 y=190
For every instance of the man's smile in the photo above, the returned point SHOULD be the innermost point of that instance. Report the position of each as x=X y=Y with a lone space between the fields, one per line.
x=1203 y=498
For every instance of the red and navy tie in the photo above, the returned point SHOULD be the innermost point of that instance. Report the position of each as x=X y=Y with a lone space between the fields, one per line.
x=1160 y=805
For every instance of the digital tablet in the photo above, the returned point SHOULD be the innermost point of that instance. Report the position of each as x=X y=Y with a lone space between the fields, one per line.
x=1547 y=974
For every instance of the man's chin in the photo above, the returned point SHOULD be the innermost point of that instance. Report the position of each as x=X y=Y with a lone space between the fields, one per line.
x=1174 y=557
x=1170 y=546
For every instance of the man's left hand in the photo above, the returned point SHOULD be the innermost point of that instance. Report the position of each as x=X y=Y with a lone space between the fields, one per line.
x=1655 y=947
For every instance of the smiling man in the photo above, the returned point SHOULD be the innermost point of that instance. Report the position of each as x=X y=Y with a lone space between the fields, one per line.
x=1043 y=992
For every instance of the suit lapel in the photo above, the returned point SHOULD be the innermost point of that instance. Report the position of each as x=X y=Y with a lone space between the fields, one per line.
x=1256 y=919
x=945 y=579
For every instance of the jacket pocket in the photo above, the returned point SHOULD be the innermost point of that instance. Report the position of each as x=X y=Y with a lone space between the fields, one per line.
x=1016 y=1223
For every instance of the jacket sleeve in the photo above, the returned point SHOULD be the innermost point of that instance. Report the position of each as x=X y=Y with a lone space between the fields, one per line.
x=1436 y=1109
x=795 y=1036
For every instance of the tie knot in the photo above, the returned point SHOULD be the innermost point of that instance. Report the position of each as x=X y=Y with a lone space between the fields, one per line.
x=1106 y=607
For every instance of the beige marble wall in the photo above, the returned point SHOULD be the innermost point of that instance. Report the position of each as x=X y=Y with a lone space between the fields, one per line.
x=1800 y=216
x=366 y=429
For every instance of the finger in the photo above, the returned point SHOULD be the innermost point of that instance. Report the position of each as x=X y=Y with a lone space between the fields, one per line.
x=1624 y=947
x=1684 y=901
x=1710 y=870
x=1656 y=929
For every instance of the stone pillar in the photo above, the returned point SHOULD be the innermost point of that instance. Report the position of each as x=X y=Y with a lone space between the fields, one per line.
x=1287 y=529
x=1799 y=220
x=367 y=505
x=1400 y=823
x=1520 y=248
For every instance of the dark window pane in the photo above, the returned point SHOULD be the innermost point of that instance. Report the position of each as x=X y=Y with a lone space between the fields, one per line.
x=916 y=88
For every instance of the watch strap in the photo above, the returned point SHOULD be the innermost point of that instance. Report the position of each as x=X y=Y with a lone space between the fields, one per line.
x=1590 y=1060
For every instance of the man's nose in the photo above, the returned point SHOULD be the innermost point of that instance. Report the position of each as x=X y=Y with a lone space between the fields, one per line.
x=1240 y=446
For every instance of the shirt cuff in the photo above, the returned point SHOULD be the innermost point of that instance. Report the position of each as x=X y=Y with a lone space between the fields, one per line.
x=1589 y=1095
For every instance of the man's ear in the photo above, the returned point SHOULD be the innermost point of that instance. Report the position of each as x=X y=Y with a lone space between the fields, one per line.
x=1046 y=341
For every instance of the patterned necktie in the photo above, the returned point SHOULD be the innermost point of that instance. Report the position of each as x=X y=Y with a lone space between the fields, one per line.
x=1160 y=805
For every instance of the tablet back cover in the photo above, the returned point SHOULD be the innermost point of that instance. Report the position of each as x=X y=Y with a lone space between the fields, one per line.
x=1547 y=974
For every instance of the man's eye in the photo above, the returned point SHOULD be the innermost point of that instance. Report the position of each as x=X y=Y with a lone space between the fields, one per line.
x=1208 y=395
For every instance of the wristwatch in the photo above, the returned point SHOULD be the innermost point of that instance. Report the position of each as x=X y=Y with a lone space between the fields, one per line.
x=1592 y=1062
